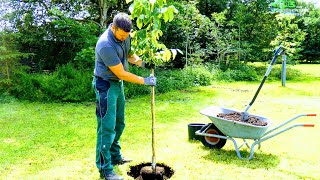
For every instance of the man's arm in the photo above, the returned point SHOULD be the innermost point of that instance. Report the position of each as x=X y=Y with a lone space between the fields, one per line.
x=135 y=59
x=119 y=71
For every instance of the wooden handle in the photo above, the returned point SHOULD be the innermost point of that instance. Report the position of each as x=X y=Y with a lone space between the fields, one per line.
x=153 y=126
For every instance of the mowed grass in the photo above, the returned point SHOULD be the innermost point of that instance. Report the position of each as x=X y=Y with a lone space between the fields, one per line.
x=311 y=70
x=57 y=140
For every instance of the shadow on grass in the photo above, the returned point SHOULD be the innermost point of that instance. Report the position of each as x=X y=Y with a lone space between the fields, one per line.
x=193 y=141
x=259 y=160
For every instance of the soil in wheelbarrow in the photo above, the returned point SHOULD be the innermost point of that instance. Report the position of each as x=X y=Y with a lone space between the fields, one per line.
x=144 y=171
x=236 y=116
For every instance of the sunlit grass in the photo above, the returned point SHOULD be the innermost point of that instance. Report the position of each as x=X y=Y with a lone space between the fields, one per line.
x=57 y=140
x=309 y=69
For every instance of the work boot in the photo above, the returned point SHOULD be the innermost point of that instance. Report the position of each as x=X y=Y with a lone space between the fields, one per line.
x=113 y=176
x=121 y=161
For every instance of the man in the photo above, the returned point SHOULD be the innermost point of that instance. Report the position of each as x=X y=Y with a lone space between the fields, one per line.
x=111 y=69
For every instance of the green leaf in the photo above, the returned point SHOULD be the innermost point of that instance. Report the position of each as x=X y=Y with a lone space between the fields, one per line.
x=165 y=14
x=166 y=55
x=139 y=23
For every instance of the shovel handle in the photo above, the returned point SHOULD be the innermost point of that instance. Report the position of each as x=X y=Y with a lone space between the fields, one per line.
x=277 y=52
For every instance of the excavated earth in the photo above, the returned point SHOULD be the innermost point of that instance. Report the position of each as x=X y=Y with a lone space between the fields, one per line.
x=236 y=116
x=144 y=171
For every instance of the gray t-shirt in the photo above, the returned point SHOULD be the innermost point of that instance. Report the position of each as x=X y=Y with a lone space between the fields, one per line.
x=110 y=52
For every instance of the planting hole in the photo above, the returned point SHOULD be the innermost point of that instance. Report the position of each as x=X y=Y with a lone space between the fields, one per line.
x=144 y=171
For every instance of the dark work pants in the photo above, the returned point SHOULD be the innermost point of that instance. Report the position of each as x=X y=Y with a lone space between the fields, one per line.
x=110 y=104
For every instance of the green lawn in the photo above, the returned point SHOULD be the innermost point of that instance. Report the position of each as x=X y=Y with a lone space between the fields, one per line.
x=57 y=140
x=309 y=69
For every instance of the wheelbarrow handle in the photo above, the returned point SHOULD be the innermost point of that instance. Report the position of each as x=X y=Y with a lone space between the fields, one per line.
x=290 y=120
x=308 y=125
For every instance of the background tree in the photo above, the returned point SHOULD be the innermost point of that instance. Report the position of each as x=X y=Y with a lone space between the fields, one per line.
x=224 y=42
x=255 y=24
x=193 y=33
x=310 y=23
x=61 y=35
x=206 y=7
x=181 y=34
x=48 y=32
x=9 y=59
x=289 y=36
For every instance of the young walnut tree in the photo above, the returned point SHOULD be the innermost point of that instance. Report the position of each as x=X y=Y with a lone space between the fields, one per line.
x=148 y=15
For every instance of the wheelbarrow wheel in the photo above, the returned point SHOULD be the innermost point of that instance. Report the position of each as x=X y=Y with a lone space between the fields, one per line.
x=212 y=142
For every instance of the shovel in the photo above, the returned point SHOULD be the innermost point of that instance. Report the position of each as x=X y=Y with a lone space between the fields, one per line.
x=244 y=115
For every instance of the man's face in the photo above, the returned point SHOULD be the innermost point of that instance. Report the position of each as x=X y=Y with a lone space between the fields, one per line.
x=120 y=34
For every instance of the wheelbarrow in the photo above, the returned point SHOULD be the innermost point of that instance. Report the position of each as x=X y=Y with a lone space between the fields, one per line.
x=215 y=134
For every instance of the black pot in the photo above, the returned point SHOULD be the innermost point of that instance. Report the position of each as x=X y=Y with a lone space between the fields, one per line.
x=192 y=128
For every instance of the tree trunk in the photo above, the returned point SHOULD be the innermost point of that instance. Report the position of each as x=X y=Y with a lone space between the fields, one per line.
x=103 y=9
x=7 y=69
x=153 y=126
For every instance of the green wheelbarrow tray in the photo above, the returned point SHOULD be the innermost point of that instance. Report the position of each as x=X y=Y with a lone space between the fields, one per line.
x=215 y=134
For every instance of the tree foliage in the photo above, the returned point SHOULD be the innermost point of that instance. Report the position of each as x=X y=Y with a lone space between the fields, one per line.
x=310 y=24
x=51 y=31
x=148 y=15
x=48 y=35
x=9 y=60
x=255 y=26
x=290 y=36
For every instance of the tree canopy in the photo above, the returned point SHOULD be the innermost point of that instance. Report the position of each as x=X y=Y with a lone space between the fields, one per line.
x=59 y=37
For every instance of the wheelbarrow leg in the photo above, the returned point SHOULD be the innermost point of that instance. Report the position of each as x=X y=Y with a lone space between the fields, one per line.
x=236 y=147
x=245 y=143
x=256 y=142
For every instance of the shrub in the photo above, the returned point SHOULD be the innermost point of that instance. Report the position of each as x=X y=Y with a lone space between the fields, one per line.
x=275 y=73
x=173 y=80
x=238 y=73
x=169 y=80
x=66 y=84
x=244 y=73
x=199 y=75
x=131 y=89
x=25 y=86
x=6 y=98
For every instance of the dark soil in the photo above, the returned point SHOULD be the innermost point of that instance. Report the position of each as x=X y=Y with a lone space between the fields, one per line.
x=236 y=116
x=144 y=171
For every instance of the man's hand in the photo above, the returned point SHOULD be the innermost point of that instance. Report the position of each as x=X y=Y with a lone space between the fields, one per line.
x=151 y=80
x=147 y=65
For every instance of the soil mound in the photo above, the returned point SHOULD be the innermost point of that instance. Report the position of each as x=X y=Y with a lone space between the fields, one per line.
x=236 y=116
